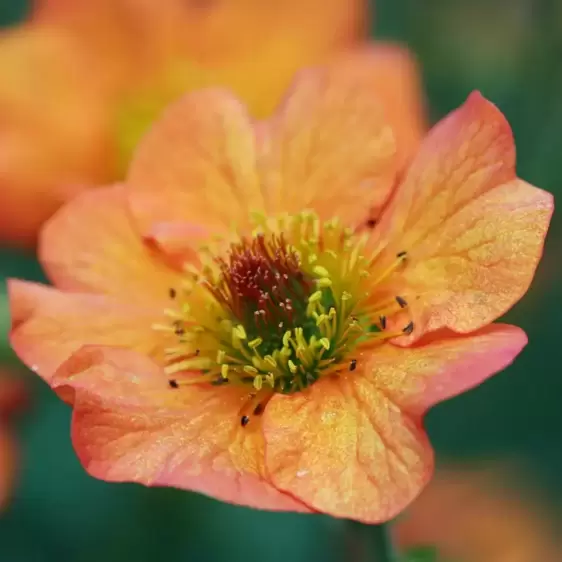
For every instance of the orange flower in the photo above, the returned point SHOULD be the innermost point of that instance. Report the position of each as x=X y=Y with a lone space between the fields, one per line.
x=224 y=322
x=11 y=398
x=477 y=515
x=83 y=80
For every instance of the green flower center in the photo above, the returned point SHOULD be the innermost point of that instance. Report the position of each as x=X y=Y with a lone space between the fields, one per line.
x=276 y=312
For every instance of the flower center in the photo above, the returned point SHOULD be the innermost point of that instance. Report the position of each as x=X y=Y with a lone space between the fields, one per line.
x=276 y=312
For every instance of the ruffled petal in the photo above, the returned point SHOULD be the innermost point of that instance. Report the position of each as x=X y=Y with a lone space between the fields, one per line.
x=330 y=146
x=50 y=325
x=128 y=425
x=473 y=232
x=197 y=165
x=91 y=245
x=353 y=446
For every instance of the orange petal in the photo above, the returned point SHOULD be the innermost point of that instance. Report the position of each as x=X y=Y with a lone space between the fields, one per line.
x=473 y=232
x=197 y=165
x=129 y=426
x=395 y=80
x=353 y=446
x=330 y=146
x=91 y=245
x=346 y=449
x=444 y=365
x=49 y=325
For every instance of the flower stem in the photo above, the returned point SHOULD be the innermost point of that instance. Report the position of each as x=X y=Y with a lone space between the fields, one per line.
x=369 y=543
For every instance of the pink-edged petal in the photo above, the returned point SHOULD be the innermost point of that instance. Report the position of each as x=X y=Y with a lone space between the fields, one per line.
x=197 y=165
x=50 y=325
x=353 y=446
x=444 y=365
x=330 y=147
x=91 y=245
x=128 y=425
x=473 y=232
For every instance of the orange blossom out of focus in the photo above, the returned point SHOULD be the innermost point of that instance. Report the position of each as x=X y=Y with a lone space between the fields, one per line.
x=12 y=398
x=244 y=326
x=82 y=81
x=470 y=514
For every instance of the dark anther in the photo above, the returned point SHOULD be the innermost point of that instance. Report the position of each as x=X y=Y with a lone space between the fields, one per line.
x=371 y=223
x=383 y=322
x=401 y=302
x=353 y=365
x=197 y=352
x=258 y=410
x=401 y=254
x=173 y=383
x=409 y=328
x=172 y=293
x=244 y=421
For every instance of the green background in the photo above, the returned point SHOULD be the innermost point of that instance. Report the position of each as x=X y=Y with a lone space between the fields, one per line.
x=511 y=51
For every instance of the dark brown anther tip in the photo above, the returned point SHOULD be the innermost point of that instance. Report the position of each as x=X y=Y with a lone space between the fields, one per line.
x=173 y=383
x=409 y=328
x=244 y=421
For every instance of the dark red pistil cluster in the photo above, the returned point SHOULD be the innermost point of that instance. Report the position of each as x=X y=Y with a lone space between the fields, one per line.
x=260 y=281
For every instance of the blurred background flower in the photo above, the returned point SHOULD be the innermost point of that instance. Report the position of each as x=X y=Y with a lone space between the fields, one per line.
x=508 y=49
x=477 y=513
x=12 y=399
x=83 y=80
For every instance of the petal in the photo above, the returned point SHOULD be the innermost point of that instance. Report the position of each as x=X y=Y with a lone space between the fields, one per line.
x=347 y=450
x=353 y=446
x=473 y=232
x=444 y=365
x=197 y=165
x=91 y=245
x=128 y=425
x=330 y=147
x=395 y=80
x=49 y=325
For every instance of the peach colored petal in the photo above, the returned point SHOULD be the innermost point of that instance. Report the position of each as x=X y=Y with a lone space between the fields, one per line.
x=129 y=425
x=353 y=446
x=197 y=165
x=330 y=146
x=49 y=325
x=394 y=79
x=473 y=232
x=344 y=448
x=444 y=365
x=91 y=245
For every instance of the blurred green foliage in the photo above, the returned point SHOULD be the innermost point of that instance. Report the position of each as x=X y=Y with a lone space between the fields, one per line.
x=511 y=50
